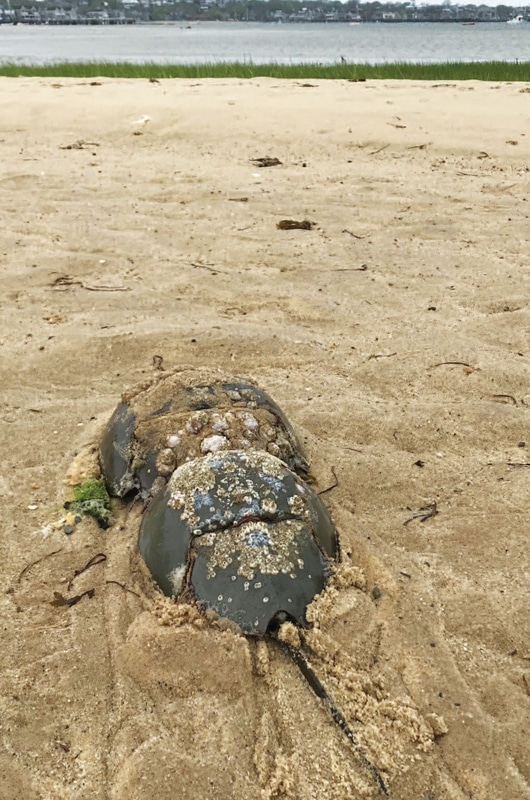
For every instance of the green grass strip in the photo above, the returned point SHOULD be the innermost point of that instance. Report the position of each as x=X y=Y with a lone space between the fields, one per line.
x=450 y=71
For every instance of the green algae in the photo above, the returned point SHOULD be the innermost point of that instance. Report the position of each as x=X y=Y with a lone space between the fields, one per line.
x=91 y=499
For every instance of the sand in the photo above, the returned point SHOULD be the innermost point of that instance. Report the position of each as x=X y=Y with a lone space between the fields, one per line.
x=394 y=334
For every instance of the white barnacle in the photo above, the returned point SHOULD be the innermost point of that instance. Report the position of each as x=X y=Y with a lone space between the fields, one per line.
x=219 y=424
x=178 y=499
x=166 y=461
x=296 y=504
x=214 y=443
x=269 y=506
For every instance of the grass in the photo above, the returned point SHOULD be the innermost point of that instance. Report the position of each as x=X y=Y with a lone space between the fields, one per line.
x=449 y=71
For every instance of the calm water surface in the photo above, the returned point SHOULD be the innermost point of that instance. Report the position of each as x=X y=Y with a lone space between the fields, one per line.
x=261 y=43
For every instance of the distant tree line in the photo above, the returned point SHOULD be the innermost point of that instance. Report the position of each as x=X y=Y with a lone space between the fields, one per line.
x=70 y=11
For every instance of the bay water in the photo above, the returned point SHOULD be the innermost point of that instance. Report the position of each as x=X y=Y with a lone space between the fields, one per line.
x=288 y=43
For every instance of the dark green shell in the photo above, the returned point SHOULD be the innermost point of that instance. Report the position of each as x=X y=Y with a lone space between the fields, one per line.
x=183 y=416
x=243 y=535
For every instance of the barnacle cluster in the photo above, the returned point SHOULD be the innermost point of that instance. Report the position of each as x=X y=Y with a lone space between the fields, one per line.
x=185 y=415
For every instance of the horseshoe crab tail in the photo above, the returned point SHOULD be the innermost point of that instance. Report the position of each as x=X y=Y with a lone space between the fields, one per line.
x=317 y=687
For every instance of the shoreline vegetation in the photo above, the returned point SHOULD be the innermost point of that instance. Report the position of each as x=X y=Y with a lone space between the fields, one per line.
x=119 y=12
x=455 y=71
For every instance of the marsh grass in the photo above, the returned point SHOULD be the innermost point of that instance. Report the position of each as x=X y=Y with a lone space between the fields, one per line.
x=449 y=71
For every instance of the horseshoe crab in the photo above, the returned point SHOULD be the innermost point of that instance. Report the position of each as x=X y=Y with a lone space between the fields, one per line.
x=242 y=535
x=185 y=415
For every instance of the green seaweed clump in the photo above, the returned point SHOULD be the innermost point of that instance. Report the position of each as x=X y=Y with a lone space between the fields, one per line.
x=91 y=499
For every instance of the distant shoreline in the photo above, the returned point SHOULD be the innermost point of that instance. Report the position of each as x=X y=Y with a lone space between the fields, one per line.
x=195 y=21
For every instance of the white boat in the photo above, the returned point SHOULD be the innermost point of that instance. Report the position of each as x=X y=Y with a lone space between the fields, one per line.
x=516 y=20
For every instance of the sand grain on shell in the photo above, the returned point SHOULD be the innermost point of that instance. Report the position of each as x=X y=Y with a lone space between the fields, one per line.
x=395 y=336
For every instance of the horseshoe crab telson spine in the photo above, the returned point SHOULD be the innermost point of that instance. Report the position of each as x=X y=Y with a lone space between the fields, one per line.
x=317 y=687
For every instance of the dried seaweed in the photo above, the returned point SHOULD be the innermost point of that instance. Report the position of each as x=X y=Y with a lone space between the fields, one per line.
x=266 y=161
x=63 y=281
x=381 y=355
x=99 y=558
x=59 y=599
x=79 y=145
x=293 y=225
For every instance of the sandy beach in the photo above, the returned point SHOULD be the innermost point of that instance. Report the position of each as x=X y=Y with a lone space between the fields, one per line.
x=138 y=235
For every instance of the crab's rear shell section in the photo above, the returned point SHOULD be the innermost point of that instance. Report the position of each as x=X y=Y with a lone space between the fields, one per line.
x=241 y=534
x=185 y=415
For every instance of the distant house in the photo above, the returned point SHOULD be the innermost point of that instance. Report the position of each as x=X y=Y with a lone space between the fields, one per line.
x=100 y=17
x=486 y=14
x=29 y=16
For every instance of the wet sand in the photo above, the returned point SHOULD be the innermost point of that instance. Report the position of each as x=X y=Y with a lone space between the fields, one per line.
x=395 y=335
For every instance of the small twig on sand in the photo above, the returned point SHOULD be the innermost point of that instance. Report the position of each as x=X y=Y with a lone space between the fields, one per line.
x=362 y=268
x=460 y=363
x=333 y=485
x=124 y=587
x=502 y=397
x=424 y=513
x=351 y=233
x=209 y=267
x=38 y=561
x=381 y=355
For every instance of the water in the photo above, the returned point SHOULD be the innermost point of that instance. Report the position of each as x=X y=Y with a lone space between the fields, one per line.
x=262 y=43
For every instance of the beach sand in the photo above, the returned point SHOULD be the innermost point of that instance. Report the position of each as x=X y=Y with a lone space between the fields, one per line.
x=394 y=334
